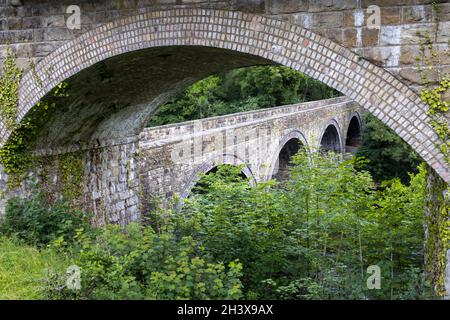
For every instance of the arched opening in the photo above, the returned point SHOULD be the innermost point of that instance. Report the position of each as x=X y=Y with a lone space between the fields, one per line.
x=226 y=173
x=284 y=161
x=330 y=140
x=354 y=136
x=287 y=44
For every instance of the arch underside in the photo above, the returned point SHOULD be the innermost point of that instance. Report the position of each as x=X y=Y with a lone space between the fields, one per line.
x=331 y=140
x=284 y=160
x=354 y=134
x=242 y=39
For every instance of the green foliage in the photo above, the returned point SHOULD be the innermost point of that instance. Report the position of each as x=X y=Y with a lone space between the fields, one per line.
x=437 y=110
x=387 y=154
x=15 y=155
x=36 y=222
x=71 y=167
x=10 y=77
x=314 y=237
x=137 y=263
x=23 y=268
x=434 y=89
x=241 y=90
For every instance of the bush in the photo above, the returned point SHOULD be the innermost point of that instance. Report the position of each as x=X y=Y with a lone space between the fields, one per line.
x=315 y=237
x=38 y=223
x=137 y=263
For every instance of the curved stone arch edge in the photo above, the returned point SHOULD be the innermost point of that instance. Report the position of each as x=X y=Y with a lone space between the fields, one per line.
x=205 y=167
x=287 y=136
x=358 y=117
x=331 y=123
x=279 y=41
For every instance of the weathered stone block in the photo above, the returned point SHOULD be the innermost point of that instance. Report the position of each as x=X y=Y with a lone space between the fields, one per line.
x=369 y=37
x=324 y=20
x=417 y=14
x=407 y=34
x=331 y=5
x=253 y=6
x=287 y=6
x=390 y=16
x=443 y=34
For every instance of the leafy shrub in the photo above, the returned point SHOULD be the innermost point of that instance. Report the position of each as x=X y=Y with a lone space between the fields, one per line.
x=315 y=237
x=36 y=222
x=137 y=263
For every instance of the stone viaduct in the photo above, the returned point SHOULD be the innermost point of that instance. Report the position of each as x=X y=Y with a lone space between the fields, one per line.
x=128 y=57
x=172 y=156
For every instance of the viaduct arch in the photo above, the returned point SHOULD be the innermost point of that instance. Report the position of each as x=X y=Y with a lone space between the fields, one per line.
x=323 y=39
x=261 y=39
x=331 y=139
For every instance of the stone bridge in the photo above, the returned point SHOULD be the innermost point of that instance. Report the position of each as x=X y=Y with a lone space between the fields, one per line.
x=172 y=157
x=121 y=181
x=128 y=57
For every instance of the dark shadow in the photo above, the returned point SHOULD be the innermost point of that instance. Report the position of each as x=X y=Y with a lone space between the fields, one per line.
x=354 y=136
x=330 y=140
x=292 y=147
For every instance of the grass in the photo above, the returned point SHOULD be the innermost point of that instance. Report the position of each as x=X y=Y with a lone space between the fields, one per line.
x=23 y=269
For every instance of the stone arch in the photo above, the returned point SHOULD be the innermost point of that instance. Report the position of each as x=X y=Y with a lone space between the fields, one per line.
x=353 y=136
x=330 y=139
x=288 y=139
x=279 y=41
x=210 y=165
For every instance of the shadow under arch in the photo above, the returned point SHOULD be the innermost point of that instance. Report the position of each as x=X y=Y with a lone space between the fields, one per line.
x=260 y=36
x=209 y=165
x=353 y=134
x=291 y=143
x=331 y=140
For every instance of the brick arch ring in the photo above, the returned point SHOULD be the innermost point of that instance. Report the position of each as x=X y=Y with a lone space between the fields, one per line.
x=285 y=138
x=211 y=164
x=282 y=42
x=335 y=124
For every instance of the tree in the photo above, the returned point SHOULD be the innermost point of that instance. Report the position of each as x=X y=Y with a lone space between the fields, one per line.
x=389 y=156
x=239 y=90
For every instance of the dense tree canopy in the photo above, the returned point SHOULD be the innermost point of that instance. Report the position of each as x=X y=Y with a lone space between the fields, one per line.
x=240 y=90
x=389 y=156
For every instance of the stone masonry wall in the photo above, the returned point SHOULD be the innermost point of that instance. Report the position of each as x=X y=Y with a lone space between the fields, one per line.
x=37 y=28
x=103 y=181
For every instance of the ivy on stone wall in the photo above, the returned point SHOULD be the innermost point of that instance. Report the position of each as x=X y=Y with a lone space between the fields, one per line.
x=438 y=87
x=71 y=169
x=16 y=156
x=438 y=231
x=68 y=170
x=10 y=77
x=434 y=95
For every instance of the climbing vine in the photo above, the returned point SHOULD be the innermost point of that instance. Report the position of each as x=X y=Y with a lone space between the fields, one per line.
x=438 y=230
x=434 y=95
x=10 y=77
x=15 y=156
x=71 y=167
x=437 y=87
